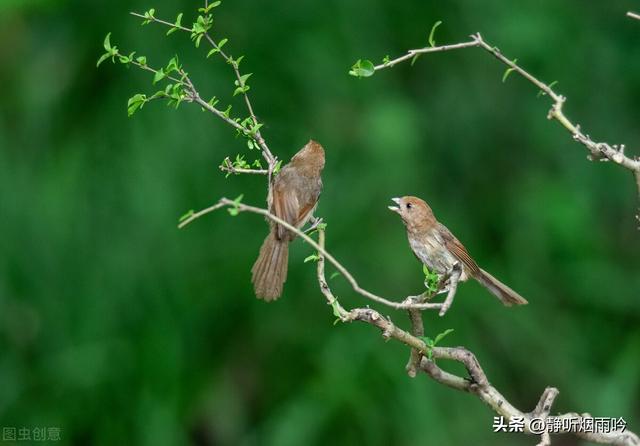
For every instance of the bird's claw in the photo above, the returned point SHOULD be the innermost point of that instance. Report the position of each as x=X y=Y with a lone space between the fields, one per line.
x=315 y=222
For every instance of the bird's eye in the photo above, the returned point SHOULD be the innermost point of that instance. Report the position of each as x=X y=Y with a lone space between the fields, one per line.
x=408 y=205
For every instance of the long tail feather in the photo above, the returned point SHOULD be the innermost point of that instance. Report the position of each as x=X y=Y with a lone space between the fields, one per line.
x=270 y=270
x=506 y=295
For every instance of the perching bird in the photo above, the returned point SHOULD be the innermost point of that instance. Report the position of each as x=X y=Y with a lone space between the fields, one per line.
x=437 y=248
x=294 y=196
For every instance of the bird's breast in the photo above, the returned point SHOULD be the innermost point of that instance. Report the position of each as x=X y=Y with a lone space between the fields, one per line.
x=430 y=249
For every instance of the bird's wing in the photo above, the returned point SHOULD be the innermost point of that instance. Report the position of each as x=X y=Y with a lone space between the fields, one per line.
x=457 y=249
x=287 y=207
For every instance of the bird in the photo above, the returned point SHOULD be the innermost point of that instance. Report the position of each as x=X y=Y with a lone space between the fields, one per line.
x=437 y=248
x=293 y=197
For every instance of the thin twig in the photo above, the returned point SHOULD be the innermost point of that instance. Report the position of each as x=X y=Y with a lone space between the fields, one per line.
x=227 y=166
x=453 y=286
x=266 y=153
x=633 y=15
x=597 y=150
x=322 y=251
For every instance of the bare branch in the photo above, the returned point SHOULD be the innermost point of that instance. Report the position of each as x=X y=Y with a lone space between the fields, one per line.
x=633 y=15
x=454 y=278
x=478 y=384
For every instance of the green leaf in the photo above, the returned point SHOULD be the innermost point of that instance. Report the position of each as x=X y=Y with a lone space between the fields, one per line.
x=334 y=275
x=238 y=199
x=104 y=57
x=277 y=167
x=172 y=65
x=176 y=25
x=149 y=16
x=135 y=102
x=210 y=7
x=312 y=258
x=542 y=93
x=442 y=335
x=239 y=90
x=508 y=71
x=386 y=59
x=362 y=68
x=142 y=60
x=189 y=213
x=160 y=74
x=432 y=42
x=235 y=210
x=243 y=79
x=107 y=43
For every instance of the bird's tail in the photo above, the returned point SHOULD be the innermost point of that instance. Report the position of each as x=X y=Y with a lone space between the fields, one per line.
x=270 y=270
x=506 y=295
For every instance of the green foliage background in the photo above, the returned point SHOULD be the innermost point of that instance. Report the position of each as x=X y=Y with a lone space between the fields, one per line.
x=120 y=329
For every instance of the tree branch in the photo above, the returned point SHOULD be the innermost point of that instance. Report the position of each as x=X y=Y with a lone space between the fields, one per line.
x=476 y=383
x=268 y=156
x=633 y=15
x=597 y=150
x=240 y=207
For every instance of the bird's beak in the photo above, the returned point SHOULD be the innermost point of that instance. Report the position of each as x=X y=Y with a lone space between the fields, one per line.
x=395 y=208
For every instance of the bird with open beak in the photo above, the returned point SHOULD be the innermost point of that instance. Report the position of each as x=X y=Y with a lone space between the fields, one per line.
x=437 y=248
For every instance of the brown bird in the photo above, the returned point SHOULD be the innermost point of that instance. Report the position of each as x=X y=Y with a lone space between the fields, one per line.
x=437 y=248
x=293 y=198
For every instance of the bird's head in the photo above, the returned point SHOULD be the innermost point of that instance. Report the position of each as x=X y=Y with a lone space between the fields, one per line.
x=415 y=212
x=310 y=157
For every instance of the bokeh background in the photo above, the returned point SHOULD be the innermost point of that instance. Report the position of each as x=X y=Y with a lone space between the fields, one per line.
x=118 y=328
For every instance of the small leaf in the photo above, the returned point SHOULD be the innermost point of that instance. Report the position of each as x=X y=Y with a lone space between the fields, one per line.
x=276 y=169
x=312 y=258
x=142 y=60
x=334 y=275
x=104 y=57
x=135 y=102
x=176 y=25
x=235 y=210
x=508 y=71
x=238 y=199
x=189 y=213
x=362 y=68
x=107 y=43
x=542 y=93
x=432 y=42
x=160 y=74
x=442 y=335
x=386 y=59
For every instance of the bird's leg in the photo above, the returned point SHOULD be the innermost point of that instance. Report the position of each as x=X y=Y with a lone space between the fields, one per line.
x=444 y=283
x=315 y=222
x=454 y=277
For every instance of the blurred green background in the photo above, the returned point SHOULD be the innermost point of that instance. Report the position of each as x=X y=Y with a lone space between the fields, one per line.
x=120 y=329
